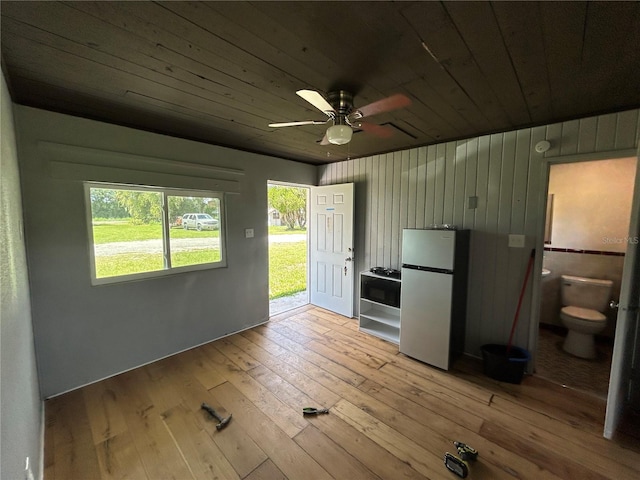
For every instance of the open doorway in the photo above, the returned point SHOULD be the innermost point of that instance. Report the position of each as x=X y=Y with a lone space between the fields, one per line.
x=288 y=246
x=586 y=237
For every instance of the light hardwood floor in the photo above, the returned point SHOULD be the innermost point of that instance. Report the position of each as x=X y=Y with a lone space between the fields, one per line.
x=390 y=416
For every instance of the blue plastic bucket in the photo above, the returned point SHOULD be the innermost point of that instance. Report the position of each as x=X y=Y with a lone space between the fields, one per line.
x=505 y=368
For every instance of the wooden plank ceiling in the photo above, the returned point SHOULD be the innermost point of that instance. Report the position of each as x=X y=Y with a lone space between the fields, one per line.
x=220 y=72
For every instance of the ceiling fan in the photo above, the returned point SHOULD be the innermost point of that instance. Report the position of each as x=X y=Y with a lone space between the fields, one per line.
x=338 y=107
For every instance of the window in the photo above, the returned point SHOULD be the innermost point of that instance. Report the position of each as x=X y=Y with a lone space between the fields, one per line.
x=140 y=232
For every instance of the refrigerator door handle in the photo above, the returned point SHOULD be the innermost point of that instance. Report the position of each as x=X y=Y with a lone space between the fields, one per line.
x=428 y=269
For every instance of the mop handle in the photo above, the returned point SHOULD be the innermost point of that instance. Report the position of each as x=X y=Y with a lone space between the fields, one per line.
x=524 y=287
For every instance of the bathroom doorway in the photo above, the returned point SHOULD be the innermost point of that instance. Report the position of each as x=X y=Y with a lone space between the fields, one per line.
x=586 y=235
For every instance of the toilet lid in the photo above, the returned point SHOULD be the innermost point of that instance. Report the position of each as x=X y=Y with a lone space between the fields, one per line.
x=584 y=314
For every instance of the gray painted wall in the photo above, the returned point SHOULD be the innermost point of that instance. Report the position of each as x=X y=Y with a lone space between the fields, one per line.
x=85 y=333
x=21 y=413
x=422 y=186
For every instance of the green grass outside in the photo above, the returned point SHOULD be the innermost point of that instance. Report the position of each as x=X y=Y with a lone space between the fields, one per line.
x=108 y=232
x=287 y=269
x=282 y=230
x=130 y=263
x=287 y=261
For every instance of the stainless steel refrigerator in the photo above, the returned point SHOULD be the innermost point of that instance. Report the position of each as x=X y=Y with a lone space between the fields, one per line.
x=433 y=296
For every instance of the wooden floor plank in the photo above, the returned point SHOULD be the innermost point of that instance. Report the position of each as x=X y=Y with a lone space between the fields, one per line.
x=196 y=364
x=346 y=351
x=253 y=350
x=238 y=448
x=564 y=467
x=200 y=452
x=333 y=367
x=390 y=416
x=304 y=381
x=119 y=459
x=448 y=429
x=157 y=450
x=591 y=443
x=287 y=455
x=330 y=316
x=435 y=377
x=282 y=389
x=104 y=415
x=352 y=340
x=561 y=443
x=266 y=471
x=310 y=322
x=406 y=450
x=241 y=359
x=335 y=459
x=376 y=458
x=300 y=335
x=74 y=456
x=350 y=330
x=564 y=404
x=263 y=342
x=286 y=417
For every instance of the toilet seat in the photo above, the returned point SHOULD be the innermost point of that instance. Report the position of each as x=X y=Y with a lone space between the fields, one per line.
x=584 y=314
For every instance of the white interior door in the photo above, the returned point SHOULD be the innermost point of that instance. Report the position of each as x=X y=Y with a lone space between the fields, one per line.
x=331 y=248
x=624 y=388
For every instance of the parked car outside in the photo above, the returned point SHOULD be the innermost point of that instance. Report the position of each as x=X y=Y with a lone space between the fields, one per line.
x=199 y=221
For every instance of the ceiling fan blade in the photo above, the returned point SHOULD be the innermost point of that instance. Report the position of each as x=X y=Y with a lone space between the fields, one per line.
x=317 y=100
x=381 y=131
x=296 y=124
x=385 y=105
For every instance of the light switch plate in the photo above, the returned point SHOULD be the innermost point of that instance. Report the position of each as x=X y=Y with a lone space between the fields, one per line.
x=248 y=233
x=516 y=241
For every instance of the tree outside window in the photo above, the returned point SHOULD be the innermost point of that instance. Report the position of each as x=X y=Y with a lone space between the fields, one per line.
x=139 y=232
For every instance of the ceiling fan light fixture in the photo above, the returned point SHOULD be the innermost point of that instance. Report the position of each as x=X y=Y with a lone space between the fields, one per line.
x=339 y=134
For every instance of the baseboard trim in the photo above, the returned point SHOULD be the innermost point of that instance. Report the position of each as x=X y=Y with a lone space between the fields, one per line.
x=261 y=322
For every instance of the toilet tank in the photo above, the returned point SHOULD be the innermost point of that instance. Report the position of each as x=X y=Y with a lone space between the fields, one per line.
x=585 y=292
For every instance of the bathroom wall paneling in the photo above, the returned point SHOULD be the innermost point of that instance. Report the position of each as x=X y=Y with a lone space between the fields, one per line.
x=421 y=186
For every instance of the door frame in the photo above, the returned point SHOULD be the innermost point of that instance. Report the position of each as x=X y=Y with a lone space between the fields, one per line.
x=297 y=185
x=622 y=360
x=540 y=229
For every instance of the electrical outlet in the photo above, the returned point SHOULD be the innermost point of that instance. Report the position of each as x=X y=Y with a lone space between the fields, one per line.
x=248 y=233
x=516 y=241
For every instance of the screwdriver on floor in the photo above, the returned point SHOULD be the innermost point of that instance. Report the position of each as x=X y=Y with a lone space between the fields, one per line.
x=314 y=411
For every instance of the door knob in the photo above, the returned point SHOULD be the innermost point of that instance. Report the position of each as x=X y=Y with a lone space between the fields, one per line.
x=613 y=304
x=348 y=259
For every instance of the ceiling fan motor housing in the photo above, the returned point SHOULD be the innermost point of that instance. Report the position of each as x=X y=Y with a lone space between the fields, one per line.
x=341 y=101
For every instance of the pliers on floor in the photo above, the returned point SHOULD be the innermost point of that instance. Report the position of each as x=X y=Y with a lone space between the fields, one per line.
x=314 y=411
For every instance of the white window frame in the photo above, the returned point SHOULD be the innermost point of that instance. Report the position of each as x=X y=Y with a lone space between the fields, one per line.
x=168 y=269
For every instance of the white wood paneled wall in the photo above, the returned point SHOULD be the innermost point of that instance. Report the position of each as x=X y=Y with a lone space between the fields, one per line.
x=421 y=186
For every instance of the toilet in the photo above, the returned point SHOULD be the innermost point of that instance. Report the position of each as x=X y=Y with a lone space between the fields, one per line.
x=584 y=300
